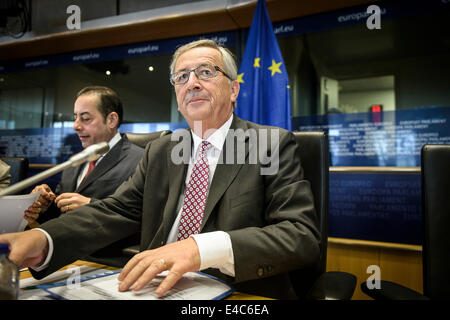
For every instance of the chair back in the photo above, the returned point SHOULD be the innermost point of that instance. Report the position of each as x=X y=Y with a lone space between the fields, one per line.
x=18 y=170
x=142 y=139
x=435 y=165
x=314 y=158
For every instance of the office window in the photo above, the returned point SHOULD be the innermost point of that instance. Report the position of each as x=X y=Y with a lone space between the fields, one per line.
x=39 y=98
x=44 y=97
x=403 y=65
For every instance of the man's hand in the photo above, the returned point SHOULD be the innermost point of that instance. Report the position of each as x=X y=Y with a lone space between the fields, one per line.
x=46 y=197
x=178 y=257
x=27 y=249
x=67 y=202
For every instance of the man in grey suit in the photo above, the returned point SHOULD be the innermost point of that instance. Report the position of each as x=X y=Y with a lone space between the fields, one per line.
x=255 y=227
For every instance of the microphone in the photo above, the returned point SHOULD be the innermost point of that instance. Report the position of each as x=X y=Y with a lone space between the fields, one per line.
x=91 y=153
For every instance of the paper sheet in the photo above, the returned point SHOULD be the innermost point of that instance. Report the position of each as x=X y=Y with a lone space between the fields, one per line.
x=12 y=209
x=192 y=286
x=56 y=276
x=38 y=294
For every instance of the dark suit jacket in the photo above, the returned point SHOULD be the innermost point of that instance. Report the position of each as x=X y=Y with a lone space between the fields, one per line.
x=270 y=218
x=115 y=168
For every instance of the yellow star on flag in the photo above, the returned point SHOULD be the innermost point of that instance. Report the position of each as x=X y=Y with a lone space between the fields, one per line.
x=256 y=63
x=240 y=78
x=275 y=67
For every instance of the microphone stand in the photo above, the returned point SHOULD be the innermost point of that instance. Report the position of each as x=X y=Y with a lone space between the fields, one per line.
x=89 y=154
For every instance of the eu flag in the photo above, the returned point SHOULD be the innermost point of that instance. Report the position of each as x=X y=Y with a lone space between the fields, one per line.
x=264 y=94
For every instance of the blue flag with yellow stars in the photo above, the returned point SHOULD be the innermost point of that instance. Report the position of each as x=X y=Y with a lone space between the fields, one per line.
x=264 y=94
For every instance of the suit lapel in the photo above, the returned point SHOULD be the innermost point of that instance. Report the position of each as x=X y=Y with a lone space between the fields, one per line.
x=225 y=173
x=177 y=177
x=76 y=173
x=223 y=176
x=113 y=157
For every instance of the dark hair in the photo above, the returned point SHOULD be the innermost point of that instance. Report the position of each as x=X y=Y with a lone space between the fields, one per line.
x=109 y=101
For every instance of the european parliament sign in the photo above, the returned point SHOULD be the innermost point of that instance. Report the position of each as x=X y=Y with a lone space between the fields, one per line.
x=378 y=206
x=382 y=207
x=381 y=139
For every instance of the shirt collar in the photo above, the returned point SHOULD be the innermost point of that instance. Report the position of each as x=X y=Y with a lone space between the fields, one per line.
x=114 y=140
x=217 y=139
x=111 y=144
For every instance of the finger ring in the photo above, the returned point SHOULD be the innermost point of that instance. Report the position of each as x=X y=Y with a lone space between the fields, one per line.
x=68 y=207
x=163 y=263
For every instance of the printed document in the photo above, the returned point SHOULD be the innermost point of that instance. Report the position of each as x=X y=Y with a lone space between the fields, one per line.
x=192 y=286
x=12 y=209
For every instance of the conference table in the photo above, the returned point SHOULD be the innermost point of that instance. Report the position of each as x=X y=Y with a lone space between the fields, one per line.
x=25 y=274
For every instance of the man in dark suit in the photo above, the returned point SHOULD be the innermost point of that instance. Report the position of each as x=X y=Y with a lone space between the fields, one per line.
x=258 y=220
x=98 y=113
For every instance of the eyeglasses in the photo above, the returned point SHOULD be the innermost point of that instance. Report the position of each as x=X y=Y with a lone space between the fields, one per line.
x=202 y=72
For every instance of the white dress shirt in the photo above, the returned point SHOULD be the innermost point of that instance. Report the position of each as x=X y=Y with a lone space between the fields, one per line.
x=215 y=248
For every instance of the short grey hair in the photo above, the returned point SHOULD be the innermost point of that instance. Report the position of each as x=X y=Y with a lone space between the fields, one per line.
x=229 y=63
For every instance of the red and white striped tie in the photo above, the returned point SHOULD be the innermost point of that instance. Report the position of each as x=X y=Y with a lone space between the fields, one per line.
x=195 y=196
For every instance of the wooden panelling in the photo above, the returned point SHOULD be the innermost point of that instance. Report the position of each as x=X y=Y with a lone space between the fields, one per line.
x=403 y=266
x=132 y=32
x=280 y=10
x=233 y=16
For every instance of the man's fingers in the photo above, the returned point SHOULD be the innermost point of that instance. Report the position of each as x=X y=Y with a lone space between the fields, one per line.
x=156 y=267
x=141 y=274
x=32 y=210
x=170 y=280
x=61 y=197
x=132 y=264
x=30 y=217
x=129 y=266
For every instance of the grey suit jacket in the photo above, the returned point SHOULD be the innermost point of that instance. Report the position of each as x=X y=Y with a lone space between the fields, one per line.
x=270 y=218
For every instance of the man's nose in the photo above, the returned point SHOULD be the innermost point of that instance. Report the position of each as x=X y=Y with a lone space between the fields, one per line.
x=76 y=125
x=193 y=82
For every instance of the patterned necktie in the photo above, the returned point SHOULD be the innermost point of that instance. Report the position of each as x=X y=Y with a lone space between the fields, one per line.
x=91 y=167
x=195 y=196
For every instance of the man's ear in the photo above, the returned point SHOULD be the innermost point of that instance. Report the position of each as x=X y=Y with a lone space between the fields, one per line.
x=235 y=87
x=112 y=120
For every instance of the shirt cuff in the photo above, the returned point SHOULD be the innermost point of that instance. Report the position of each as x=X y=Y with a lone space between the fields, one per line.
x=216 y=251
x=49 y=254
